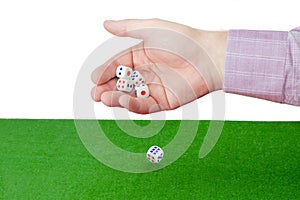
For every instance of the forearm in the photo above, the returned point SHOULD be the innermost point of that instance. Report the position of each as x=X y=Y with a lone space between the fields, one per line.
x=263 y=64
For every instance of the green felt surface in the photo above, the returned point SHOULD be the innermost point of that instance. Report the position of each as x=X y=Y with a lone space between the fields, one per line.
x=45 y=159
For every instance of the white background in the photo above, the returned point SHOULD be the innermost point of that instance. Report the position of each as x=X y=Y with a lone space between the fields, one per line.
x=43 y=45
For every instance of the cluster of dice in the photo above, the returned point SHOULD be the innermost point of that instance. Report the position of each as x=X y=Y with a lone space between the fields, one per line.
x=155 y=154
x=129 y=79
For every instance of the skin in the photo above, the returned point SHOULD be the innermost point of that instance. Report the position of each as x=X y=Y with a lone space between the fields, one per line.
x=164 y=71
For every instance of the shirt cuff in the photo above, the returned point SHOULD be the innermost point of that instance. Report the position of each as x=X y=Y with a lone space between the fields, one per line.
x=255 y=64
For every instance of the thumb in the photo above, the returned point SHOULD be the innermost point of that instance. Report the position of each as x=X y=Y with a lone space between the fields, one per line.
x=130 y=27
x=115 y=27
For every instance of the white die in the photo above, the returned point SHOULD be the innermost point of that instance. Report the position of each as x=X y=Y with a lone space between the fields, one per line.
x=155 y=154
x=124 y=85
x=124 y=72
x=137 y=78
x=142 y=91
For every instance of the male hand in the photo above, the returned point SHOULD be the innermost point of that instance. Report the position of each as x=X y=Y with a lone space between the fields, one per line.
x=179 y=63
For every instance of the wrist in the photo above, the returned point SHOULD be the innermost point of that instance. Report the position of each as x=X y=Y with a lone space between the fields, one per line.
x=214 y=44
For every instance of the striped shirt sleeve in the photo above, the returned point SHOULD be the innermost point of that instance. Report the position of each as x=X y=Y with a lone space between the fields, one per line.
x=264 y=64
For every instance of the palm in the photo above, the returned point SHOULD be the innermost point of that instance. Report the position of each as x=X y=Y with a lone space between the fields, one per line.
x=168 y=76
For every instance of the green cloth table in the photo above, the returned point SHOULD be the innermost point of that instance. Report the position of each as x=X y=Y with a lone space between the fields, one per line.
x=45 y=159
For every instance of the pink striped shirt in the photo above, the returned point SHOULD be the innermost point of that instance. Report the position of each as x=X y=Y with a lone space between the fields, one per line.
x=264 y=64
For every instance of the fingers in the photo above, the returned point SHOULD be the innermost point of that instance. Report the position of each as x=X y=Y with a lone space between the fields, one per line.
x=107 y=71
x=128 y=27
x=139 y=105
x=98 y=90
x=111 y=98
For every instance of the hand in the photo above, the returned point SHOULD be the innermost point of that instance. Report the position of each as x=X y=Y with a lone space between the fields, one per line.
x=179 y=63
